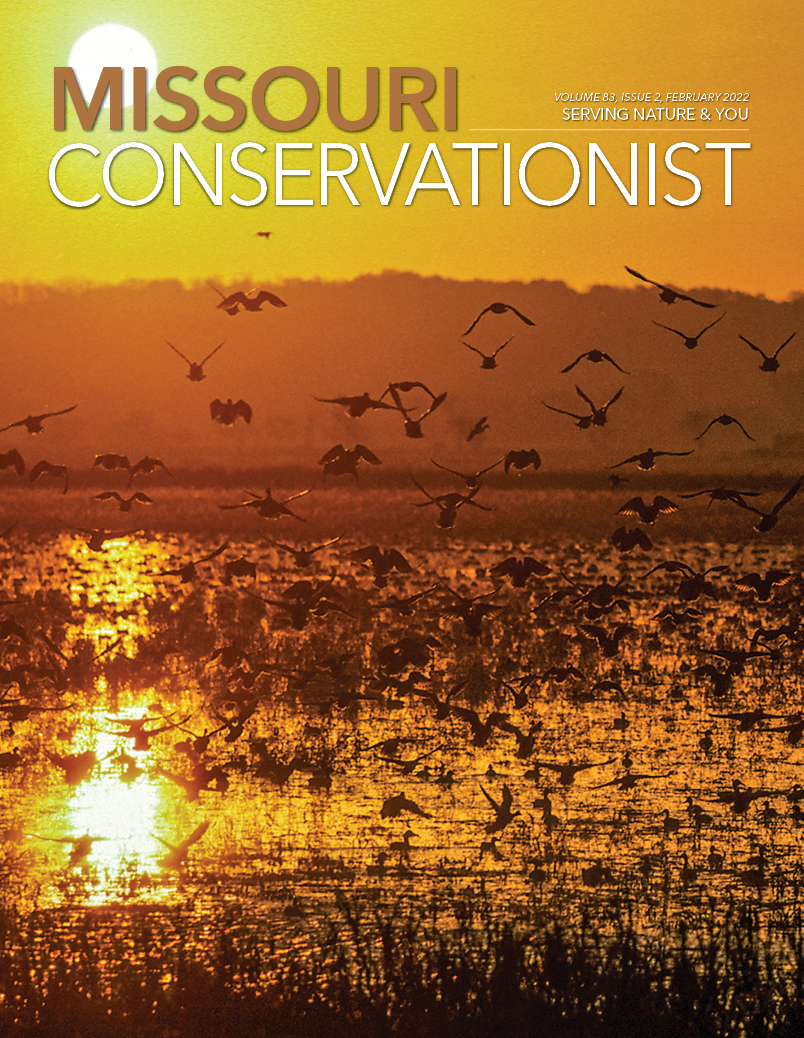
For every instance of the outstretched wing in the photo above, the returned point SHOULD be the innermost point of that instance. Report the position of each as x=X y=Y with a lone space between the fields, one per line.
x=13 y=425
x=636 y=506
x=203 y=362
x=522 y=459
x=363 y=452
x=185 y=359
x=333 y=454
x=677 y=332
x=788 y=497
x=776 y=354
x=665 y=505
x=111 y=461
x=437 y=402
x=264 y=296
x=491 y=799
x=614 y=399
x=636 y=274
x=712 y=325
x=521 y=316
x=195 y=835
x=627 y=461
x=53 y=414
x=371 y=553
x=576 y=361
x=756 y=349
x=12 y=459
x=691 y=299
x=503 y=345
x=472 y=325
x=233 y=300
x=214 y=554
x=559 y=411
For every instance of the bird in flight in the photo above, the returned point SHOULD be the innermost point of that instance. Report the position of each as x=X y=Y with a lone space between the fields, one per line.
x=12 y=460
x=498 y=308
x=97 y=538
x=177 y=856
x=595 y=357
x=228 y=413
x=523 y=459
x=669 y=295
x=648 y=513
x=124 y=503
x=567 y=772
x=394 y=806
x=187 y=572
x=767 y=520
x=340 y=461
x=724 y=494
x=690 y=341
x=356 y=406
x=769 y=363
x=33 y=423
x=503 y=815
x=625 y=540
x=597 y=415
x=647 y=459
x=448 y=505
x=519 y=570
x=489 y=361
x=413 y=426
x=147 y=465
x=303 y=557
x=45 y=468
x=471 y=479
x=263 y=234
x=381 y=562
x=196 y=370
x=248 y=300
x=584 y=421
x=480 y=426
x=267 y=506
x=763 y=585
x=110 y=462
x=725 y=419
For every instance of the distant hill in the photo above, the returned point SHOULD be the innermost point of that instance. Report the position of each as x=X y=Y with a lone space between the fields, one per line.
x=103 y=347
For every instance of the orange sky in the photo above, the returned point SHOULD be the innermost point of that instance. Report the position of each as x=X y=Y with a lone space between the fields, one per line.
x=511 y=61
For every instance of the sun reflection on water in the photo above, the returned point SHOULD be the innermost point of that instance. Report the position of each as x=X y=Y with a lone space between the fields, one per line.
x=113 y=587
x=269 y=839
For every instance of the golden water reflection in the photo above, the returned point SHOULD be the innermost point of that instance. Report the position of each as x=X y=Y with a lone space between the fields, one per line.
x=282 y=844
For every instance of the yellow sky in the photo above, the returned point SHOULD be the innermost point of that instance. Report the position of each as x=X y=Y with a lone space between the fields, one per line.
x=512 y=57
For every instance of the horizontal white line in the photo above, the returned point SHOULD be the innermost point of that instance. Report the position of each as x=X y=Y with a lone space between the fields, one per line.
x=591 y=126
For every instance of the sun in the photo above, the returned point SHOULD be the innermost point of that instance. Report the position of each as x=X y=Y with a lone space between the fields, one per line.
x=117 y=46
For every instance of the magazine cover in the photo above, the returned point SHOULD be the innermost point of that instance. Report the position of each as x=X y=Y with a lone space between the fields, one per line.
x=400 y=519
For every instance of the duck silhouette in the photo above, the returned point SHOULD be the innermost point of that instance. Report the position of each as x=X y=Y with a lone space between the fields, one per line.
x=489 y=360
x=669 y=295
x=196 y=369
x=33 y=423
x=690 y=341
x=770 y=362
x=499 y=308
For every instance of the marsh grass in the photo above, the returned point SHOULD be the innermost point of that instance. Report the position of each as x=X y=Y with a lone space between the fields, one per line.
x=380 y=973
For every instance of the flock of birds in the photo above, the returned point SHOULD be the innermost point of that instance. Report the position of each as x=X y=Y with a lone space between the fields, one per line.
x=591 y=621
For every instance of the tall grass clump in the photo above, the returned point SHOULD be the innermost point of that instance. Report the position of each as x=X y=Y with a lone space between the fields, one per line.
x=380 y=973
